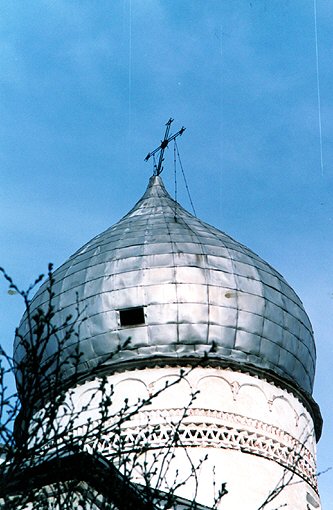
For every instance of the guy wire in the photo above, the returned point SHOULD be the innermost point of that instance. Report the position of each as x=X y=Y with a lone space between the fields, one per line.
x=175 y=176
x=187 y=188
x=318 y=88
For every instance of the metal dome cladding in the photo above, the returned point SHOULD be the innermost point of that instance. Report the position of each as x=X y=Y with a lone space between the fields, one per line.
x=181 y=290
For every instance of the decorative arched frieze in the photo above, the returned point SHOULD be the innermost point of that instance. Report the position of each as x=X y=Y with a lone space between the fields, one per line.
x=217 y=429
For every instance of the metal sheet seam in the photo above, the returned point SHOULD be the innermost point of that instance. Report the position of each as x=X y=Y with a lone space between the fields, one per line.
x=173 y=249
x=204 y=258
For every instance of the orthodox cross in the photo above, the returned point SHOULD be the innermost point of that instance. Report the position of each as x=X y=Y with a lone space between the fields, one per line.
x=163 y=146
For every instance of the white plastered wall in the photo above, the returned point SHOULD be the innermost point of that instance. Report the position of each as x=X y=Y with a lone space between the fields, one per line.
x=258 y=437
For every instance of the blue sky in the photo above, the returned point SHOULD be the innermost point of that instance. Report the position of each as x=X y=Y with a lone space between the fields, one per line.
x=85 y=90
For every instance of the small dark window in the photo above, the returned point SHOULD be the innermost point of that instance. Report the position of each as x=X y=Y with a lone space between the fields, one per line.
x=132 y=316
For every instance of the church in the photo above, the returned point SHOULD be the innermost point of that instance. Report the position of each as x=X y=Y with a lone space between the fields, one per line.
x=208 y=360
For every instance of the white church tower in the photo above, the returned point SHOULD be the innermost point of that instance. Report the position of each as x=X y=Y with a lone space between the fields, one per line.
x=190 y=297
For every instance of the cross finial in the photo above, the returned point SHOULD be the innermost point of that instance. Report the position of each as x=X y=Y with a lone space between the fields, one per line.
x=163 y=146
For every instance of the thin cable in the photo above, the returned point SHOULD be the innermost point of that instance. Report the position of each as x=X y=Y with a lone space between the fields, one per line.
x=175 y=176
x=187 y=188
x=130 y=76
x=318 y=88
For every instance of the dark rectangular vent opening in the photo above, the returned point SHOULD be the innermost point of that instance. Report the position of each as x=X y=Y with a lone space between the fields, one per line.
x=132 y=316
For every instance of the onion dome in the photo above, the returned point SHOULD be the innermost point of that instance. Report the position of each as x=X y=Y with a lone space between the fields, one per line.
x=180 y=290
